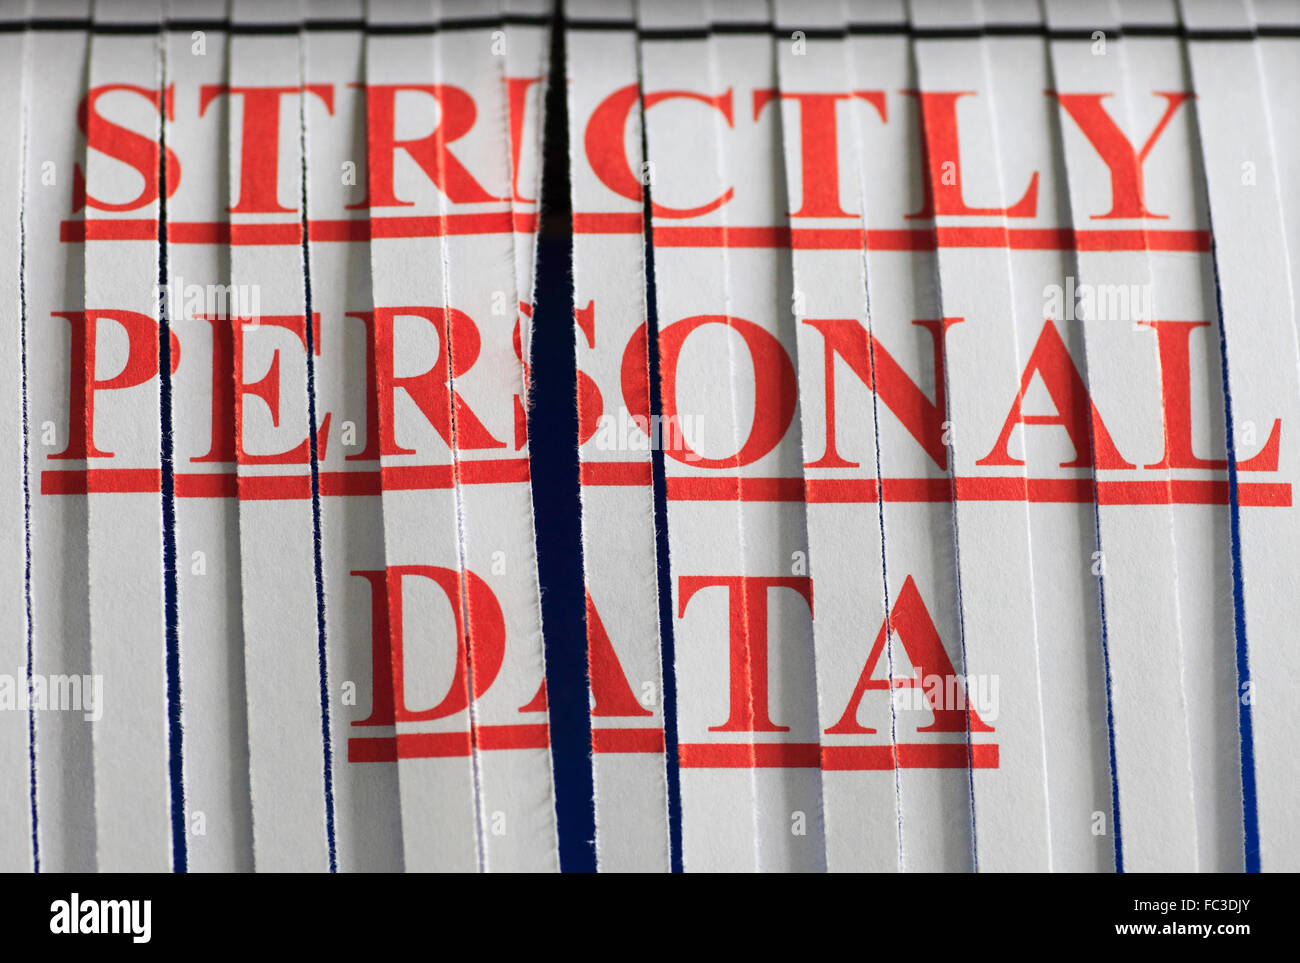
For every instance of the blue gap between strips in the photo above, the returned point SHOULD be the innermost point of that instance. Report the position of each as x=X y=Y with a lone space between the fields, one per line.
x=557 y=509
x=1245 y=721
x=667 y=644
x=317 y=562
x=667 y=641
x=171 y=610
x=27 y=492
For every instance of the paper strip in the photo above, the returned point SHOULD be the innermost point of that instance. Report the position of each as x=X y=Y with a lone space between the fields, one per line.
x=423 y=593
x=999 y=628
x=1138 y=560
x=367 y=801
x=845 y=553
x=934 y=794
x=620 y=564
x=751 y=794
x=517 y=798
x=1063 y=534
x=282 y=654
x=200 y=303
x=60 y=611
x=1187 y=326
x=480 y=765
x=1241 y=148
x=120 y=365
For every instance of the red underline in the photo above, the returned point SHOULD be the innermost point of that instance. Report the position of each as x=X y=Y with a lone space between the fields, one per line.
x=665 y=235
x=900 y=239
x=432 y=745
x=968 y=489
x=84 y=481
x=931 y=238
x=733 y=489
x=777 y=755
x=617 y=473
x=627 y=740
x=705 y=489
x=290 y=232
